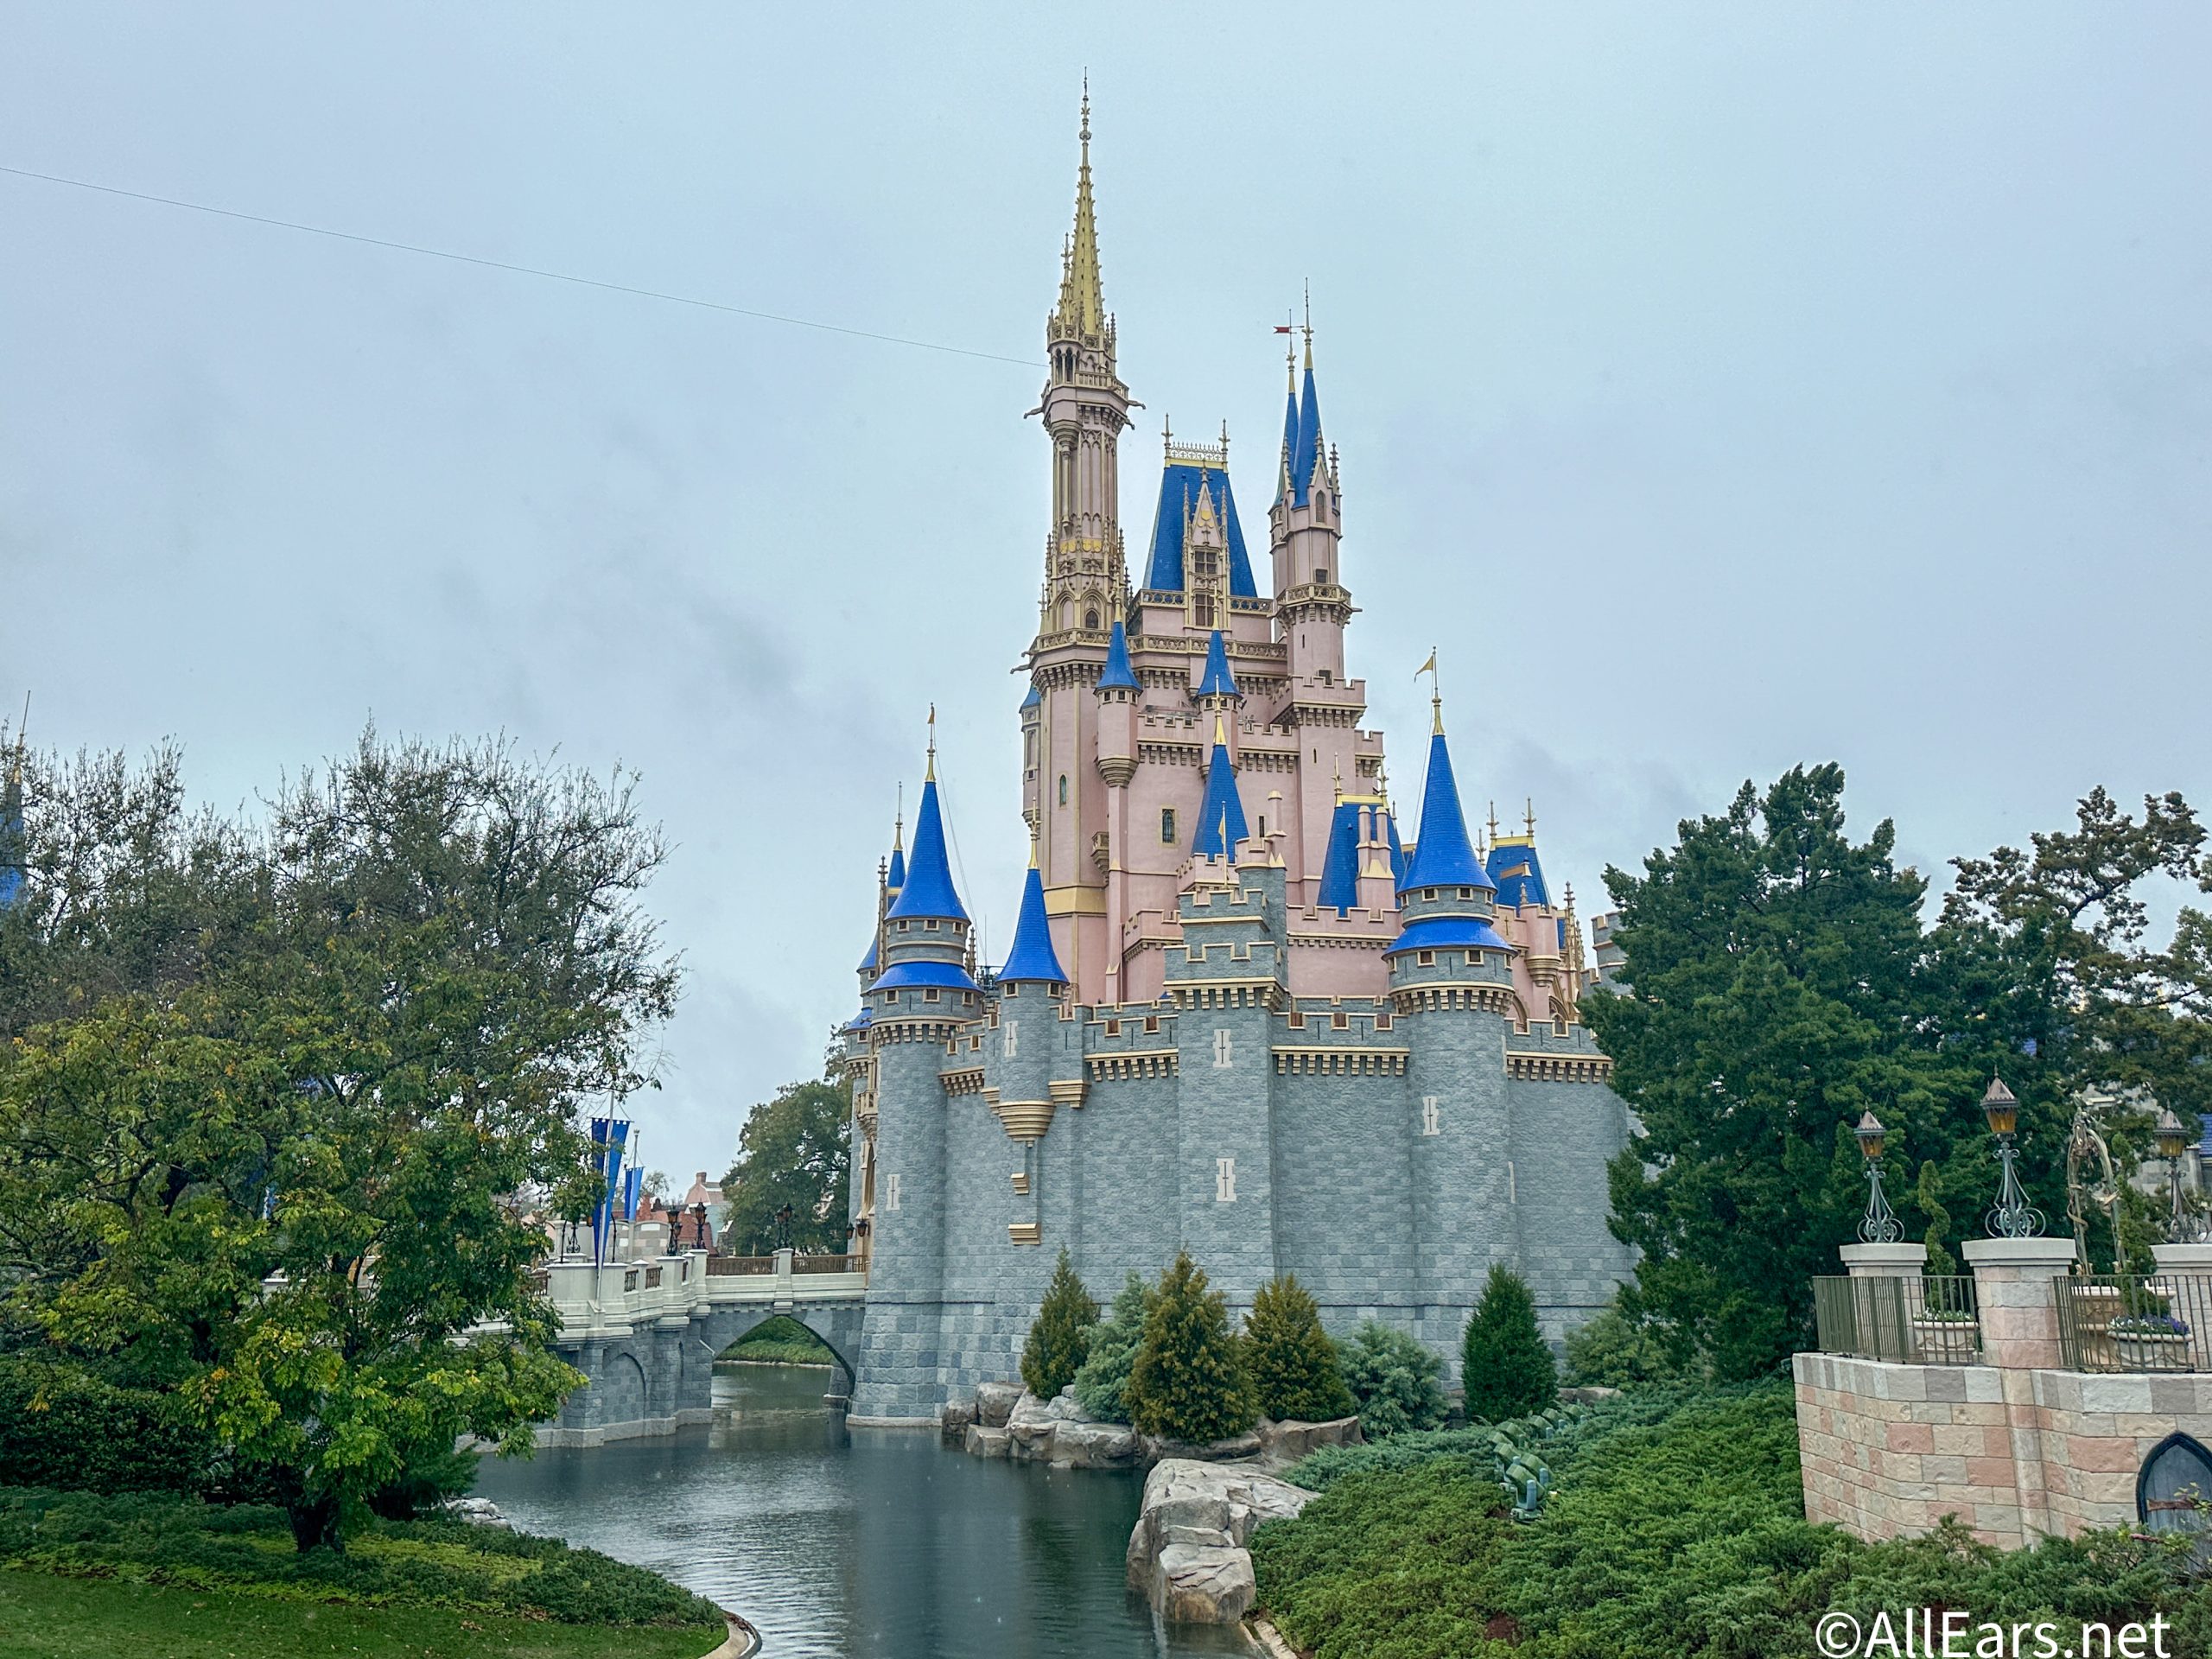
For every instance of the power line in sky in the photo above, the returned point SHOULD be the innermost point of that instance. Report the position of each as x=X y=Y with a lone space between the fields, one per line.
x=520 y=270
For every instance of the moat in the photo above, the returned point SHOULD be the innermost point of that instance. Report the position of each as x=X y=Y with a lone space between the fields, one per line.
x=856 y=1544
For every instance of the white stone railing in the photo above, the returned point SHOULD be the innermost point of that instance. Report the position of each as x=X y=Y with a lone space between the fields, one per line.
x=611 y=1298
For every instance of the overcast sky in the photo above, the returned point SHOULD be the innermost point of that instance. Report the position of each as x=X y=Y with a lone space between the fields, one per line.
x=1720 y=387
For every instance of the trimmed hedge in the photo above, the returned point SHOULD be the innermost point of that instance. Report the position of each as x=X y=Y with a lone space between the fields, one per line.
x=247 y=1549
x=61 y=1425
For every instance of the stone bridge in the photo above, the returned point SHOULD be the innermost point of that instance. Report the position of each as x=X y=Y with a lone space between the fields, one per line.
x=646 y=1334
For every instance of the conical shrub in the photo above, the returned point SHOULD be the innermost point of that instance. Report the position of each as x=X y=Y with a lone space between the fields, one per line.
x=1059 y=1341
x=1509 y=1369
x=1188 y=1381
x=1102 y=1386
x=1293 y=1364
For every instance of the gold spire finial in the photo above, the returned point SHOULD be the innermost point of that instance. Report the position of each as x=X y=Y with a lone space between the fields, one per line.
x=898 y=821
x=932 y=776
x=1033 y=849
x=1082 y=301
x=1309 y=325
x=1435 y=695
x=1340 y=780
x=1220 y=731
x=1493 y=822
x=1531 y=804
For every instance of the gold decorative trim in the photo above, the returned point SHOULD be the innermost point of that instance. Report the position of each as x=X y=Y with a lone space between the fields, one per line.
x=1559 y=1068
x=967 y=1081
x=1067 y=1091
x=1132 y=1063
x=1025 y=1121
x=1075 y=901
x=1021 y=1183
x=1024 y=1232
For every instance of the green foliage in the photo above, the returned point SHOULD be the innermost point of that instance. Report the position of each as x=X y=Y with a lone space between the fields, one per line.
x=1394 y=1381
x=1927 y=1192
x=272 y=1087
x=1187 y=1382
x=48 y=1617
x=1508 y=1368
x=1666 y=1536
x=1059 y=1340
x=1293 y=1365
x=1612 y=1350
x=783 y=1341
x=1101 y=1386
x=795 y=1149
x=61 y=1425
x=244 y=1550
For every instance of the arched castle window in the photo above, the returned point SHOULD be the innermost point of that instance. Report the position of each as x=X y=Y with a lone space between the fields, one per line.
x=1063 y=788
x=1167 y=826
x=2175 y=1481
x=1090 y=620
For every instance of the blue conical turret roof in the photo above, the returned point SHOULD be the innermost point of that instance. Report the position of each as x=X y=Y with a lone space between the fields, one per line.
x=1340 y=865
x=1034 y=697
x=1289 y=435
x=1118 y=674
x=1217 y=681
x=927 y=890
x=1443 y=857
x=1221 y=816
x=894 y=877
x=1306 y=451
x=1033 y=956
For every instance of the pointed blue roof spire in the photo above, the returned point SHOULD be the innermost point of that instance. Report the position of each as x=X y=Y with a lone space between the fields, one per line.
x=1443 y=856
x=1118 y=674
x=928 y=890
x=1340 y=865
x=1306 y=455
x=1283 y=484
x=1034 y=697
x=1221 y=816
x=895 y=877
x=1217 y=681
x=1033 y=958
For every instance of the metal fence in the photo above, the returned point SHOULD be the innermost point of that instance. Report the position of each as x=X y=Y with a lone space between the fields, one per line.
x=825 y=1264
x=1921 y=1320
x=720 y=1267
x=2135 y=1322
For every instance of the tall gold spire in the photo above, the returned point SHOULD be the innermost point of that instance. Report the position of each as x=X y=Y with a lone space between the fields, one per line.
x=1082 y=298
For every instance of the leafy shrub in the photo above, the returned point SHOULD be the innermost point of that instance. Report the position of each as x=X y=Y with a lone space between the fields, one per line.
x=1188 y=1381
x=1615 y=1352
x=1507 y=1369
x=1394 y=1379
x=246 y=1549
x=61 y=1425
x=1059 y=1341
x=1676 y=1527
x=782 y=1340
x=1102 y=1384
x=1292 y=1361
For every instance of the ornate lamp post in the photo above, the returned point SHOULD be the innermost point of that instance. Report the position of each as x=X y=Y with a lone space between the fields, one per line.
x=2011 y=1217
x=699 y=1226
x=784 y=1228
x=675 y=1232
x=2183 y=1225
x=1878 y=1225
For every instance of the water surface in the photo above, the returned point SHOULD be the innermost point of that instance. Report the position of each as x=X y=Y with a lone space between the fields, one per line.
x=859 y=1544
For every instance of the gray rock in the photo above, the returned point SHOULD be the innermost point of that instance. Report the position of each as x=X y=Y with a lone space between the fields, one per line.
x=983 y=1442
x=994 y=1403
x=955 y=1417
x=1186 y=1553
x=1094 y=1446
x=1290 y=1440
x=1229 y=1451
x=477 y=1511
x=1202 y=1584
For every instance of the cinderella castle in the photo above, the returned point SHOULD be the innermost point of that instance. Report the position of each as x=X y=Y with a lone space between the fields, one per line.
x=1243 y=1014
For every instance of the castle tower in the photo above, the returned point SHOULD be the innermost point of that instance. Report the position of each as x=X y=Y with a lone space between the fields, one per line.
x=924 y=995
x=1312 y=609
x=1085 y=407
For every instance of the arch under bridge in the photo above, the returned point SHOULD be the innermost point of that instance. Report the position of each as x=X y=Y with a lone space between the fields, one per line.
x=646 y=1334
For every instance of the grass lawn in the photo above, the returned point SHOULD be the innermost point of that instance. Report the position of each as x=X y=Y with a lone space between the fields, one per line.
x=41 y=1615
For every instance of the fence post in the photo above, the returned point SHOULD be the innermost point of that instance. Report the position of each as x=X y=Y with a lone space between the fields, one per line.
x=2016 y=1289
x=1885 y=1261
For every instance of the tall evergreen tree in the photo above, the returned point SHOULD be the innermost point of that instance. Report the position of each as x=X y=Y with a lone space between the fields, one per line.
x=1188 y=1381
x=1507 y=1369
x=1059 y=1339
x=1293 y=1364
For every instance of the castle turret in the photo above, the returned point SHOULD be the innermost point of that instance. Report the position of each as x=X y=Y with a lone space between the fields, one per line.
x=1221 y=815
x=923 y=997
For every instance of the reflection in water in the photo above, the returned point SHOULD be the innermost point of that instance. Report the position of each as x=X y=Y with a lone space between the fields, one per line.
x=875 y=1544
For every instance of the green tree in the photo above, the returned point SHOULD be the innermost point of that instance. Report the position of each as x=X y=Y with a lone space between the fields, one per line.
x=1507 y=1368
x=1293 y=1363
x=1928 y=1193
x=1613 y=1351
x=1101 y=1386
x=1770 y=966
x=1188 y=1381
x=275 y=1169
x=795 y=1150
x=1059 y=1340
x=1396 y=1380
